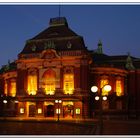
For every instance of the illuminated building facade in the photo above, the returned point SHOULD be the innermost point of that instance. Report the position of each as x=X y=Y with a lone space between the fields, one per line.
x=56 y=66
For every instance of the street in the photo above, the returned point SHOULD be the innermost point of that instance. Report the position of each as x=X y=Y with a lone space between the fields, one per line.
x=33 y=127
x=68 y=127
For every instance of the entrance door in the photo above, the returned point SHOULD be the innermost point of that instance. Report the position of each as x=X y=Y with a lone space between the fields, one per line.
x=49 y=111
x=68 y=111
x=32 y=110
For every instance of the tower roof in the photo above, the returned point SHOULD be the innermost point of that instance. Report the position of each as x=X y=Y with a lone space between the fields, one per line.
x=59 y=34
x=58 y=27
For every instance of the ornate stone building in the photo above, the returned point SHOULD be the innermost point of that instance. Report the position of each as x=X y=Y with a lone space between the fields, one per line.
x=54 y=74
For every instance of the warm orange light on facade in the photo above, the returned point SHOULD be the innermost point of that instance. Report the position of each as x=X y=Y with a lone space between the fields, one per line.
x=68 y=83
x=118 y=88
x=13 y=88
x=39 y=110
x=21 y=110
x=32 y=84
x=50 y=87
x=102 y=84
x=58 y=111
x=5 y=88
x=77 y=111
x=49 y=77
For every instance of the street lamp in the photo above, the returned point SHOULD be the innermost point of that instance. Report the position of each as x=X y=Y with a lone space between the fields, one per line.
x=94 y=89
x=58 y=109
x=5 y=101
x=16 y=101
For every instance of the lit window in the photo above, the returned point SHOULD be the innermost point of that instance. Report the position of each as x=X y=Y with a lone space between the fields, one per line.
x=69 y=103
x=68 y=83
x=77 y=110
x=13 y=88
x=57 y=111
x=50 y=87
x=5 y=88
x=32 y=84
x=39 y=110
x=118 y=88
x=103 y=83
x=21 y=110
x=49 y=82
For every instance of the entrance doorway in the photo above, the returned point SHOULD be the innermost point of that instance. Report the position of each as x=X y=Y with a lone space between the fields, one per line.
x=49 y=111
x=32 y=110
x=68 y=111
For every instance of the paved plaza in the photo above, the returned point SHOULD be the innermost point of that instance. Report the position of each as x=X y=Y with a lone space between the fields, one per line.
x=33 y=126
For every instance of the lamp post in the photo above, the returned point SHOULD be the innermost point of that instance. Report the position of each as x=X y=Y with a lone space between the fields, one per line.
x=94 y=89
x=58 y=109
x=16 y=107
x=4 y=107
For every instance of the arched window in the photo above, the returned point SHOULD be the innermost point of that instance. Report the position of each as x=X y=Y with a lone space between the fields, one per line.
x=49 y=77
x=32 y=82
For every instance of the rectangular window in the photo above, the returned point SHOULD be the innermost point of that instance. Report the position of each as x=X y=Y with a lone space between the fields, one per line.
x=68 y=83
x=77 y=110
x=21 y=110
x=58 y=111
x=5 y=88
x=13 y=88
x=50 y=87
x=39 y=110
x=32 y=84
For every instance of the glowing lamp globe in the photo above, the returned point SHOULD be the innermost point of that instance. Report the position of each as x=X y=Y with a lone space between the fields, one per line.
x=5 y=101
x=104 y=98
x=107 y=88
x=97 y=98
x=94 y=89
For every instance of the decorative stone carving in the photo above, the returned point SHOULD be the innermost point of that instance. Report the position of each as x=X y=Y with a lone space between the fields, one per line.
x=68 y=69
x=69 y=45
x=49 y=54
x=49 y=45
x=32 y=71
x=33 y=48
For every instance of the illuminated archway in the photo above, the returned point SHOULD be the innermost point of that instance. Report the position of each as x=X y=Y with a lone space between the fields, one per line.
x=49 y=77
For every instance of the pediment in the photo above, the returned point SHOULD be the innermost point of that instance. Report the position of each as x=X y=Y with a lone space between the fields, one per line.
x=49 y=54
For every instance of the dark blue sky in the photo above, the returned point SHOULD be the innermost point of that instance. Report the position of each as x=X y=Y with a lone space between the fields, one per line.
x=118 y=26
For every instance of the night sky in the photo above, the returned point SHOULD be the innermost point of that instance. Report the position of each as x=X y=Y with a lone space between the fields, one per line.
x=117 y=26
